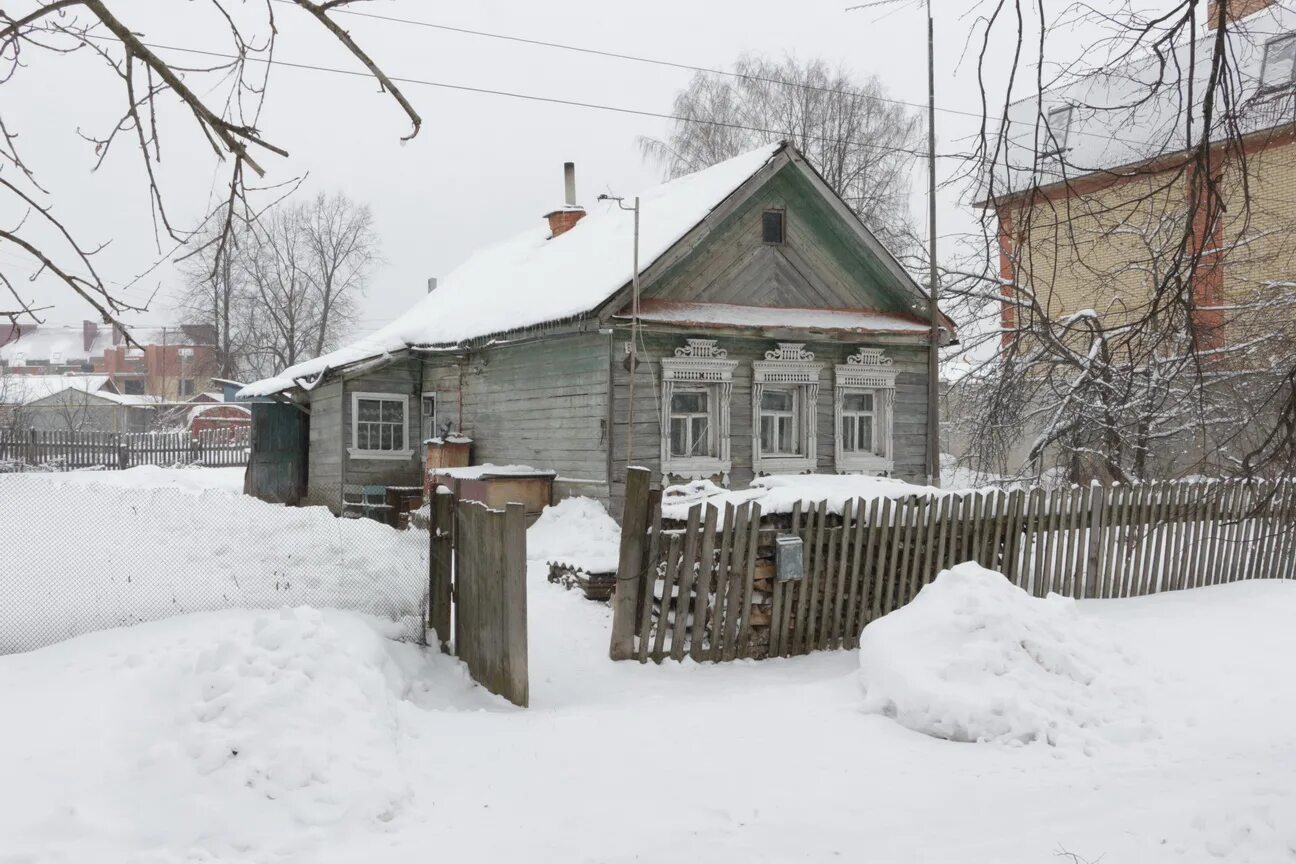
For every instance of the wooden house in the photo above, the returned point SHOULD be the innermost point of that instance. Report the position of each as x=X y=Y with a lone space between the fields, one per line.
x=773 y=334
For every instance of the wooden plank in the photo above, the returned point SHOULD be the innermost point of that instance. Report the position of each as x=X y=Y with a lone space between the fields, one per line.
x=834 y=634
x=782 y=596
x=515 y=660
x=879 y=562
x=812 y=547
x=943 y=524
x=823 y=591
x=737 y=567
x=1177 y=524
x=1114 y=511
x=634 y=530
x=910 y=574
x=702 y=603
x=674 y=552
x=440 y=566
x=902 y=537
x=743 y=648
x=728 y=527
x=684 y=582
x=866 y=512
x=653 y=563
x=900 y=517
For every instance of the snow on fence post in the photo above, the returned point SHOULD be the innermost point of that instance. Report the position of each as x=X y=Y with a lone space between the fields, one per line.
x=634 y=528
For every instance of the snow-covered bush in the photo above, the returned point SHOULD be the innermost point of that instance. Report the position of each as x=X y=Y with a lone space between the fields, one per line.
x=975 y=658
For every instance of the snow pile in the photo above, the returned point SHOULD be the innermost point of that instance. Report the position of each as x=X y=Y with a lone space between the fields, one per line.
x=576 y=531
x=88 y=555
x=219 y=736
x=190 y=478
x=259 y=696
x=975 y=658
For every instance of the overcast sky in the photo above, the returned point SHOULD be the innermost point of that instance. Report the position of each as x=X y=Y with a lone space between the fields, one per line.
x=483 y=167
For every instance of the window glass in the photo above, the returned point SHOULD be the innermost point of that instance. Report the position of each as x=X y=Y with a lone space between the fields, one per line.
x=1279 y=62
x=380 y=424
x=429 y=417
x=778 y=422
x=1059 y=127
x=690 y=424
x=857 y=422
x=772 y=226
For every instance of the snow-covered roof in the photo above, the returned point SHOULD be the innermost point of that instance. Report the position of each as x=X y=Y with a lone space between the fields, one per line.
x=728 y=315
x=535 y=279
x=1121 y=116
x=66 y=343
x=208 y=407
x=25 y=389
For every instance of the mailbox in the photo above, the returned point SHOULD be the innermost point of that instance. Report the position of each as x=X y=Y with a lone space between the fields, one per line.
x=787 y=558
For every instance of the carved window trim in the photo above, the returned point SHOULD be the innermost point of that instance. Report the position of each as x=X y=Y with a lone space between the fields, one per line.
x=868 y=370
x=699 y=364
x=788 y=366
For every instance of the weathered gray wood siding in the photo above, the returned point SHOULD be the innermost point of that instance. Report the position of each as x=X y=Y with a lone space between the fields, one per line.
x=542 y=403
x=821 y=263
x=324 y=459
x=909 y=423
x=402 y=376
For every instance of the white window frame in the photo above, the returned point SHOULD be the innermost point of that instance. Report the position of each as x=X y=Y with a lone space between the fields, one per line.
x=709 y=414
x=699 y=365
x=355 y=451
x=1057 y=134
x=868 y=370
x=1278 y=42
x=423 y=430
x=788 y=367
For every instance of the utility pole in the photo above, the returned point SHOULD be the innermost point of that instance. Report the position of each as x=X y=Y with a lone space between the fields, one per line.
x=933 y=354
x=933 y=310
x=634 y=326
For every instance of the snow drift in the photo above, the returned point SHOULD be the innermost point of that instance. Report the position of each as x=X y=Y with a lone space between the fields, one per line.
x=83 y=555
x=975 y=658
x=575 y=531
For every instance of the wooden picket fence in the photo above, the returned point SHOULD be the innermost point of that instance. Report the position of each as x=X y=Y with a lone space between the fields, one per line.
x=709 y=591
x=33 y=449
x=477 y=590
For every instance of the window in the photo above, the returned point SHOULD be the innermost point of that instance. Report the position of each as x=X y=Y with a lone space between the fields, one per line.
x=56 y=358
x=186 y=387
x=690 y=424
x=785 y=391
x=772 y=226
x=865 y=396
x=857 y=418
x=778 y=422
x=696 y=387
x=1057 y=131
x=429 y=426
x=133 y=387
x=185 y=353
x=1279 y=66
x=378 y=426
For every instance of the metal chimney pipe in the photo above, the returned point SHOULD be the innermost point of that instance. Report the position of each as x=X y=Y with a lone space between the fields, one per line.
x=569 y=182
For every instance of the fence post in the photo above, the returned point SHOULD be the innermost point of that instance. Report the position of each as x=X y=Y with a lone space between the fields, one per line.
x=32 y=454
x=440 y=561
x=514 y=593
x=1097 y=512
x=625 y=599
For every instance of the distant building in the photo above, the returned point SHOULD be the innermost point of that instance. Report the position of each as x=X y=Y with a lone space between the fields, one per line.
x=172 y=363
x=73 y=403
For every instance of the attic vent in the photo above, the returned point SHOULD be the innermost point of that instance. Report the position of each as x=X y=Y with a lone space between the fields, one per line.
x=772 y=226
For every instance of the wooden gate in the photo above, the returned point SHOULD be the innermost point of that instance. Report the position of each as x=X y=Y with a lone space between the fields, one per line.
x=477 y=590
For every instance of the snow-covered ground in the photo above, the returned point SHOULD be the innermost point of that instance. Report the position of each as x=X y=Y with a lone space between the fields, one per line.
x=307 y=736
x=85 y=550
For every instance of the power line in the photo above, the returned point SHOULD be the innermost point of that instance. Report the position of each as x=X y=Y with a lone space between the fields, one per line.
x=636 y=58
x=552 y=100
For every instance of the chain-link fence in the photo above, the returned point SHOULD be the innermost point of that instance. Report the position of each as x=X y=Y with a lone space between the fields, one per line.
x=91 y=550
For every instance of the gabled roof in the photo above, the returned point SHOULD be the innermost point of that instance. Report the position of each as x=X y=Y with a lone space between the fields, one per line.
x=535 y=279
x=25 y=389
x=1119 y=120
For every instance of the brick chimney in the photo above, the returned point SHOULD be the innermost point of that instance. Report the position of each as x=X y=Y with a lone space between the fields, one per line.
x=561 y=221
x=1236 y=10
x=89 y=330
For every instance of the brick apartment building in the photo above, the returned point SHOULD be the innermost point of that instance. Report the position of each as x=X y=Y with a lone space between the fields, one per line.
x=171 y=363
x=1087 y=208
